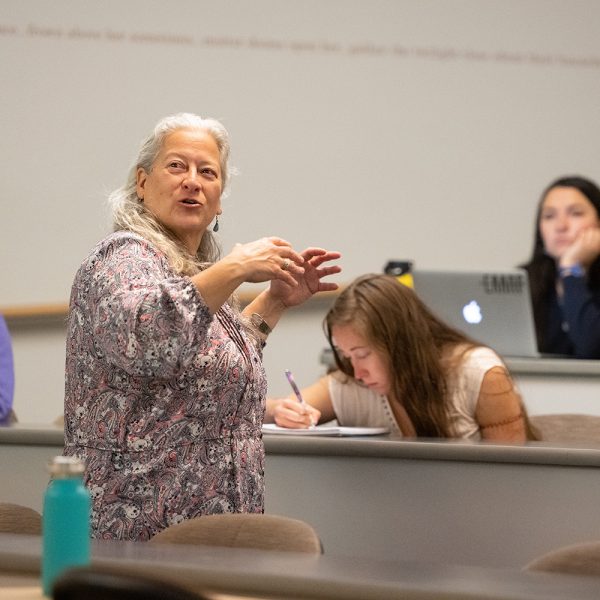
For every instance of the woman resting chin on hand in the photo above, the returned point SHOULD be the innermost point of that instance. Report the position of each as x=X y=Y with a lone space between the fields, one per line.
x=564 y=269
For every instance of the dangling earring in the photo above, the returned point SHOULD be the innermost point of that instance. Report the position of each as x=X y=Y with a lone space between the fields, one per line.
x=216 y=225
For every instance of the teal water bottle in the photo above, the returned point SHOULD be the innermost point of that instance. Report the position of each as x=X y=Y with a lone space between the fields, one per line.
x=65 y=520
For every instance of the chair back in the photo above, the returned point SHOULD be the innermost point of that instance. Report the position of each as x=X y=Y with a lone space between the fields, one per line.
x=244 y=530
x=575 y=559
x=15 y=518
x=567 y=427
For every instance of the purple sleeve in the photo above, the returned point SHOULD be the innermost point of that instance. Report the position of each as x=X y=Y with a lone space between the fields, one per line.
x=7 y=374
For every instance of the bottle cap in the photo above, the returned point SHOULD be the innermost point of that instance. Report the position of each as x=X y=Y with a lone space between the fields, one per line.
x=398 y=267
x=66 y=466
x=401 y=270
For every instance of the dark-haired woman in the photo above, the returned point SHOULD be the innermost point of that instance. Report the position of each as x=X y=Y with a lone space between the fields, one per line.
x=564 y=269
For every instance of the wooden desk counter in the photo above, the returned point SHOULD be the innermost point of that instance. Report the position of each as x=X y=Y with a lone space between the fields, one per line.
x=440 y=501
x=558 y=385
x=388 y=446
x=289 y=575
x=554 y=367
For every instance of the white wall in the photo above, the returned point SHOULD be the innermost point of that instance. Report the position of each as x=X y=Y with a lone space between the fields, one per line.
x=420 y=129
x=39 y=356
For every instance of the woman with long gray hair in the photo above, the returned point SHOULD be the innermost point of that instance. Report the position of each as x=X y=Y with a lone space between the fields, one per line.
x=165 y=388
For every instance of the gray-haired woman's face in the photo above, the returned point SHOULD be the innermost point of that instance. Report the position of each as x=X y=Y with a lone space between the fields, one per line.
x=183 y=188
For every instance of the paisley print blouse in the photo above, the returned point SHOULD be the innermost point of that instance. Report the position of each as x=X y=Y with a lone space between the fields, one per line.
x=163 y=402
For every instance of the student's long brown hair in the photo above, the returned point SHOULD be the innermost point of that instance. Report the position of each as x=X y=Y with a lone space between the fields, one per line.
x=417 y=345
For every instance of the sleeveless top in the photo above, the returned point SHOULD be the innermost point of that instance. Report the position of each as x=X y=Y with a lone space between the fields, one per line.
x=356 y=405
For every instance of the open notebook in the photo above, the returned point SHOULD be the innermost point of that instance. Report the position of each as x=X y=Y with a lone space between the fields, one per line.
x=493 y=307
x=324 y=430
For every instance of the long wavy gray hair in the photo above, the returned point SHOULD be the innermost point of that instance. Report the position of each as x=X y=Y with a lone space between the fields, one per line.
x=131 y=215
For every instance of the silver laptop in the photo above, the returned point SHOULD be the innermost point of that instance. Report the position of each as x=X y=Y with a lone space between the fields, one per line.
x=492 y=307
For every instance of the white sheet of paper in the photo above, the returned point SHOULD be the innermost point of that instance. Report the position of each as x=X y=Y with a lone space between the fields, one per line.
x=270 y=428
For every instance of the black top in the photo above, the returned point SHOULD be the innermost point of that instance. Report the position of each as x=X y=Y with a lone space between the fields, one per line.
x=573 y=326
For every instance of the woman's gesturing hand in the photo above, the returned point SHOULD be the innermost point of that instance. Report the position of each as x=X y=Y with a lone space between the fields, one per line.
x=306 y=280
x=267 y=259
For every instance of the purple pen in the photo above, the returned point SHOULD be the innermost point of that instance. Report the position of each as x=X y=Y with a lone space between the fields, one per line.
x=290 y=378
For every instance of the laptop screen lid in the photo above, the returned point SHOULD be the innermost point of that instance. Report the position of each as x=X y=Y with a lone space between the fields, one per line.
x=492 y=307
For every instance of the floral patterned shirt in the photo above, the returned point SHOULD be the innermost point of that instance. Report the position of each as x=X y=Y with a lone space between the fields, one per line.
x=163 y=401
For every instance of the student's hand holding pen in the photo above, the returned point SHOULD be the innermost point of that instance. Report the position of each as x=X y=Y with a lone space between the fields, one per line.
x=298 y=395
x=288 y=412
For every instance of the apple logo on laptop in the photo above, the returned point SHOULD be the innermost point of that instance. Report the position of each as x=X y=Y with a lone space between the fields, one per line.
x=472 y=312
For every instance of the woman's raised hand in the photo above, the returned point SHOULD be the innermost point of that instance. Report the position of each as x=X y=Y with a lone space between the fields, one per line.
x=267 y=259
x=307 y=281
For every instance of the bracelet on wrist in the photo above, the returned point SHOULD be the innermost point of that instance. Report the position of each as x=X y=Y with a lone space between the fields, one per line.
x=261 y=325
x=575 y=270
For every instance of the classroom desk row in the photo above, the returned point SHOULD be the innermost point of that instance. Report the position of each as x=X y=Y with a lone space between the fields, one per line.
x=558 y=385
x=282 y=575
x=28 y=587
x=451 y=502
x=442 y=501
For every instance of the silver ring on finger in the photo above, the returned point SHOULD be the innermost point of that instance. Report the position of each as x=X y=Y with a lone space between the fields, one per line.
x=285 y=265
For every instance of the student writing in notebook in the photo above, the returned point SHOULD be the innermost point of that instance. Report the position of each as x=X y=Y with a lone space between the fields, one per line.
x=564 y=269
x=399 y=366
